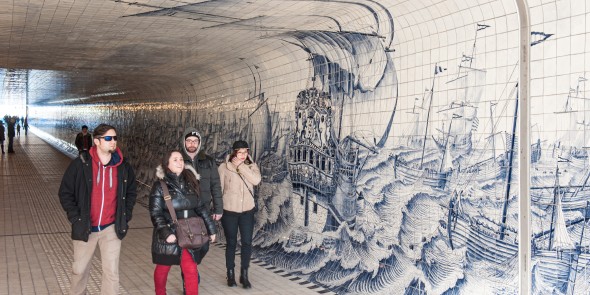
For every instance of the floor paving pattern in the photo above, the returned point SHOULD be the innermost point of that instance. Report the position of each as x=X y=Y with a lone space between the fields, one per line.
x=36 y=249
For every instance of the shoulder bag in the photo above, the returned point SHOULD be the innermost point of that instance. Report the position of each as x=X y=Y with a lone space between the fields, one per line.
x=191 y=232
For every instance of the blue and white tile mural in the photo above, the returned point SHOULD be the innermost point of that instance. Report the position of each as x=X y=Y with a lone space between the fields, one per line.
x=395 y=170
x=559 y=164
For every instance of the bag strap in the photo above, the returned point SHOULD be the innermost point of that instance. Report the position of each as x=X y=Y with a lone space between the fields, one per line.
x=246 y=184
x=168 y=200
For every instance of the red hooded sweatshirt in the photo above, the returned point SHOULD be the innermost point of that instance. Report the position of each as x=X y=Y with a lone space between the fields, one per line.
x=103 y=199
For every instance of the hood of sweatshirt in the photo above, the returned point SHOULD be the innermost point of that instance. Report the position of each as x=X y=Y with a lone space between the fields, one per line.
x=183 y=147
x=116 y=160
x=116 y=157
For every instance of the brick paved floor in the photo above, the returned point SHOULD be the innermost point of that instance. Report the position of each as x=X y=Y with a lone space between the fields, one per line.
x=36 y=249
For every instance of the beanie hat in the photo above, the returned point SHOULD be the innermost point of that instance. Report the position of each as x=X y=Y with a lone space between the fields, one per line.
x=194 y=133
x=240 y=144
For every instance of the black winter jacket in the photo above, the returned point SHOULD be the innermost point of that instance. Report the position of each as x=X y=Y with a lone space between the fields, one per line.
x=207 y=168
x=74 y=196
x=183 y=198
x=80 y=138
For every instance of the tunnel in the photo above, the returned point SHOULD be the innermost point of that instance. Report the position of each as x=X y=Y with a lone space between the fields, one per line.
x=405 y=147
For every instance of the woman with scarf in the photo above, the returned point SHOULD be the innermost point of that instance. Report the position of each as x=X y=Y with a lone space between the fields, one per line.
x=238 y=175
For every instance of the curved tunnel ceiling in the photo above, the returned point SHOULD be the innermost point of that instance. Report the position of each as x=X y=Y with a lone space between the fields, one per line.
x=96 y=51
x=192 y=51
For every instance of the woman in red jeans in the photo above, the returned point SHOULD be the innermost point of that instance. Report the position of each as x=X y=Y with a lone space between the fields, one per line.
x=183 y=185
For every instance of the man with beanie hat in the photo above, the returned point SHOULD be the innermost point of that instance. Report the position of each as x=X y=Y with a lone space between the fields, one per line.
x=190 y=146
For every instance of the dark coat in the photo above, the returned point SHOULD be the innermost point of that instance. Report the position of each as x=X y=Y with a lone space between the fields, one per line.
x=205 y=165
x=183 y=198
x=210 y=182
x=11 y=132
x=80 y=138
x=74 y=196
x=2 y=138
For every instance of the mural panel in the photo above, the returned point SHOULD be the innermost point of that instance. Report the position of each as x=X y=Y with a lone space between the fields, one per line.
x=394 y=170
x=559 y=162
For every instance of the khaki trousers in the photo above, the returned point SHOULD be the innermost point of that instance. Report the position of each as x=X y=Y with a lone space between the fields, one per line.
x=110 y=250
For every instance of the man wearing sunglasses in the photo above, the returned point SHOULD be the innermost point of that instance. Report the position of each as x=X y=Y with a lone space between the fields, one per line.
x=98 y=192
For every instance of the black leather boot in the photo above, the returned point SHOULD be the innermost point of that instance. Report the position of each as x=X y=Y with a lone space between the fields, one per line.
x=244 y=279
x=231 y=278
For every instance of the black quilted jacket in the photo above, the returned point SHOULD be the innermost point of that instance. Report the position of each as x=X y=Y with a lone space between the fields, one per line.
x=183 y=198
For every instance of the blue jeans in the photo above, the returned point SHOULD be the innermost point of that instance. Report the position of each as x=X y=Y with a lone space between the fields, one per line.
x=231 y=222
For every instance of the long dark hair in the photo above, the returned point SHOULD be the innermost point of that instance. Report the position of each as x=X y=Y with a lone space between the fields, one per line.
x=188 y=175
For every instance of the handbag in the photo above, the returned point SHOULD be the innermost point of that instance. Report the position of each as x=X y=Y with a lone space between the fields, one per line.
x=191 y=232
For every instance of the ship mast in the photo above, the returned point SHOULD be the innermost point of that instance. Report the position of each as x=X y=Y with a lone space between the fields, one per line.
x=428 y=115
x=509 y=176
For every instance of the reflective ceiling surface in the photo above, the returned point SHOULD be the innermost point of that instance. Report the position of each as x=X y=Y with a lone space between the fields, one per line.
x=86 y=51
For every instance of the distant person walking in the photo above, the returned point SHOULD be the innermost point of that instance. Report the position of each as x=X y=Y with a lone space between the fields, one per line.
x=10 y=123
x=2 y=138
x=17 y=130
x=83 y=140
x=26 y=126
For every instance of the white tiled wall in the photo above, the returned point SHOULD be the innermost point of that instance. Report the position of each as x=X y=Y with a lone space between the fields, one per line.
x=406 y=234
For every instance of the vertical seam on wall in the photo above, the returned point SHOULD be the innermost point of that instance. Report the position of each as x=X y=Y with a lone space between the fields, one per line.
x=524 y=251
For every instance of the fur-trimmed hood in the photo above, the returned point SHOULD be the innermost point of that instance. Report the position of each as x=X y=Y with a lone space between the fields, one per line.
x=161 y=173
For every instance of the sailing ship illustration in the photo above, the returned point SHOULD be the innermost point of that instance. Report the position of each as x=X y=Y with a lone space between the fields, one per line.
x=430 y=170
x=557 y=258
x=559 y=180
x=437 y=165
x=317 y=161
x=324 y=167
x=571 y=146
x=574 y=197
x=273 y=162
x=486 y=239
x=575 y=145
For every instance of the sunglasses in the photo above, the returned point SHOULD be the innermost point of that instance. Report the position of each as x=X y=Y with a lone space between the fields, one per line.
x=108 y=138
